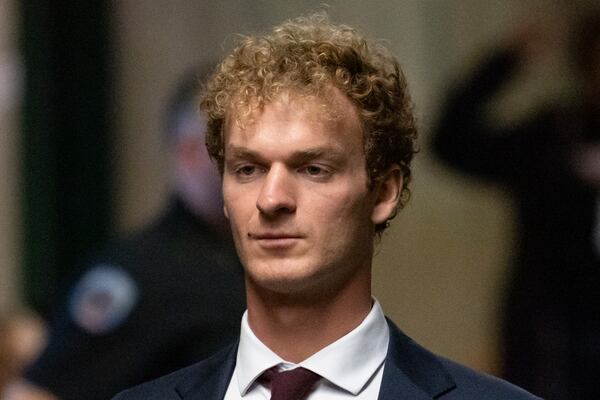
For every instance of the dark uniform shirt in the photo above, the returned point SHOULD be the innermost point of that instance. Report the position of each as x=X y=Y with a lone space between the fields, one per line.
x=147 y=305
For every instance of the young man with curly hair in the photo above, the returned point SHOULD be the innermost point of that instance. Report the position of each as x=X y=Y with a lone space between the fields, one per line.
x=312 y=129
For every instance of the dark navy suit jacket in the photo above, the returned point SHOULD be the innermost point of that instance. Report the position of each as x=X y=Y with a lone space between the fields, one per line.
x=411 y=373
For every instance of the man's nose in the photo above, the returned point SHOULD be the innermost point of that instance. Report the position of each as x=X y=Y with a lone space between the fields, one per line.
x=277 y=194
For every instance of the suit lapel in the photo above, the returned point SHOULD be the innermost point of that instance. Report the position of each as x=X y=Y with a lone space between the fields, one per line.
x=209 y=381
x=396 y=385
x=411 y=372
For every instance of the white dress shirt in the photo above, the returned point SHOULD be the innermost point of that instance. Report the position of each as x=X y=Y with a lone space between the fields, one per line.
x=351 y=367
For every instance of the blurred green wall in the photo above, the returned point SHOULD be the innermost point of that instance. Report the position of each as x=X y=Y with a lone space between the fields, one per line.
x=66 y=133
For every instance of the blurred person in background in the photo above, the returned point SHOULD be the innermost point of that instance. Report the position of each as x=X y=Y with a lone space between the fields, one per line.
x=21 y=337
x=156 y=300
x=551 y=162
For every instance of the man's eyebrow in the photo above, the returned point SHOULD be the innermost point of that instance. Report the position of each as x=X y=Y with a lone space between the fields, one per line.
x=326 y=152
x=233 y=151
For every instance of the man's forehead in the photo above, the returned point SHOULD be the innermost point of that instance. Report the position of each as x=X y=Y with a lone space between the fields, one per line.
x=328 y=108
x=300 y=127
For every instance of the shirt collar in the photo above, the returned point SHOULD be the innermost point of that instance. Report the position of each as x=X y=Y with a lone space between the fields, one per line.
x=348 y=363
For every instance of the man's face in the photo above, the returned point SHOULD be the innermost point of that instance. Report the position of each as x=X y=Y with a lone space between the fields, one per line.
x=295 y=191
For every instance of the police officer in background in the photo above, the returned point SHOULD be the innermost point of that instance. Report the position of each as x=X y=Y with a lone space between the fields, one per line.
x=154 y=301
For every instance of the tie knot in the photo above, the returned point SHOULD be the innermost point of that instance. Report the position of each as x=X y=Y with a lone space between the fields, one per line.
x=294 y=384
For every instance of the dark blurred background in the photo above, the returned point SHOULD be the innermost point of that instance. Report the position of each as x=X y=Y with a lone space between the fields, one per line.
x=81 y=90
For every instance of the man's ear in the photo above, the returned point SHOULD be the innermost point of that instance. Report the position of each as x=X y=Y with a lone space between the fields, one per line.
x=387 y=194
x=225 y=212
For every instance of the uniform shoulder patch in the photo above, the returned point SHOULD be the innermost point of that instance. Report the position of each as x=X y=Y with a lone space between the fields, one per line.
x=103 y=299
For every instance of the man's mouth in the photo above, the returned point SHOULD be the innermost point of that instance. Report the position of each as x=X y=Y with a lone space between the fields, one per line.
x=275 y=240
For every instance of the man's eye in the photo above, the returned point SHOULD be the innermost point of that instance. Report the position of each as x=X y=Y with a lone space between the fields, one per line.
x=314 y=170
x=246 y=170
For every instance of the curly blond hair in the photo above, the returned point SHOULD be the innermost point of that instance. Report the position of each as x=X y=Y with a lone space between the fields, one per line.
x=307 y=56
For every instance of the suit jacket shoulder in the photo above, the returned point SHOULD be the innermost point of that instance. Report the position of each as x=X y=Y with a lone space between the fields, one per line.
x=207 y=379
x=475 y=385
x=411 y=370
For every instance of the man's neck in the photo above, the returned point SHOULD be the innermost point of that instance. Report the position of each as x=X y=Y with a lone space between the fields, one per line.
x=297 y=327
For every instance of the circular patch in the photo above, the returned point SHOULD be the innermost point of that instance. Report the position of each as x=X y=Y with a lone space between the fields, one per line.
x=103 y=299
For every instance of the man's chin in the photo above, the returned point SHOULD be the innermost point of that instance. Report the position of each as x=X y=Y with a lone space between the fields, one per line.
x=285 y=285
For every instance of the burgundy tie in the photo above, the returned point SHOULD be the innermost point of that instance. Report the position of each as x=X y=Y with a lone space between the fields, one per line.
x=294 y=384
